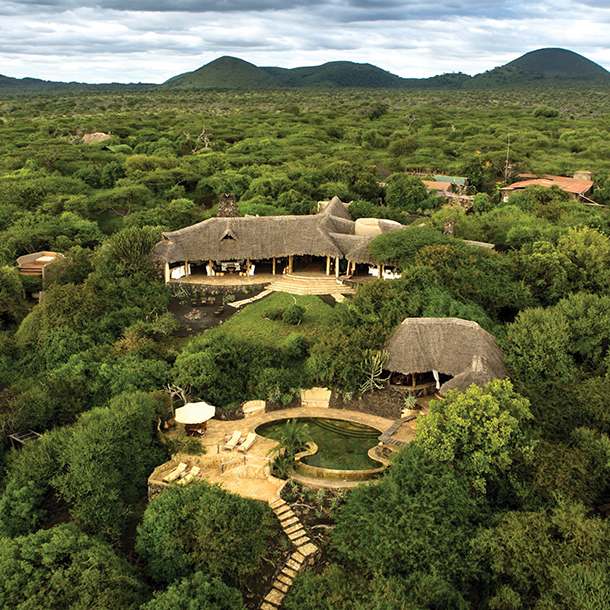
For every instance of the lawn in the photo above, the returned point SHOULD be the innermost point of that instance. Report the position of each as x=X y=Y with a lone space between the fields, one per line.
x=251 y=321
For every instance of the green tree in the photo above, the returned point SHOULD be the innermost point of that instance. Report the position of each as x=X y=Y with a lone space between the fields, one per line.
x=541 y=560
x=405 y=192
x=63 y=568
x=418 y=519
x=201 y=527
x=12 y=306
x=107 y=460
x=199 y=592
x=480 y=432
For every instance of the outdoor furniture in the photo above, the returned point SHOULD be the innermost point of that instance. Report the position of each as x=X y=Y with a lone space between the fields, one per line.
x=175 y=473
x=247 y=443
x=232 y=442
x=190 y=476
x=195 y=416
x=178 y=272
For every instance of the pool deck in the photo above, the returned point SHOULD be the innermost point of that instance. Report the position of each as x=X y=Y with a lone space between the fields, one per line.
x=264 y=488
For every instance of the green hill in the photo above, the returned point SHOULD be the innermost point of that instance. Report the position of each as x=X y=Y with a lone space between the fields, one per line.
x=542 y=67
x=338 y=74
x=225 y=73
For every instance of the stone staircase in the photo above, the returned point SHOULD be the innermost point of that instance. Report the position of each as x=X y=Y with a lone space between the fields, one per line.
x=305 y=554
x=308 y=284
x=386 y=437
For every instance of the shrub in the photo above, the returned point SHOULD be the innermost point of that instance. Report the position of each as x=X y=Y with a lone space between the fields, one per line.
x=293 y=314
x=273 y=313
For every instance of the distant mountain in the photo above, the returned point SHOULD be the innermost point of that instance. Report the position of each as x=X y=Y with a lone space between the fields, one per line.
x=225 y=73
x=544 y=66
x=541 y=68
x=338 y=74
x=8 y=84
x=233 y=73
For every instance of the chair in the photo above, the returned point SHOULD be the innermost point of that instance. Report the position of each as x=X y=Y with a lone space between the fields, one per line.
x=175 y=473
x=232 y=442
x=247 y=443
x=190 y=476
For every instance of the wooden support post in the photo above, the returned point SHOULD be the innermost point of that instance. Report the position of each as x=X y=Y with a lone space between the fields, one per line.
x=168 y=276
x=290 y=263
x=413 y=376
x=274 y=265
x=211 y=267
x=379 y=269
x=248 y=267
x=337 y=266
x=328 y=265
x=186 y=269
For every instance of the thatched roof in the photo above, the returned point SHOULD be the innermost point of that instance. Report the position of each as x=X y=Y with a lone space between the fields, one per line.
x=328 y=233
x=451 y=346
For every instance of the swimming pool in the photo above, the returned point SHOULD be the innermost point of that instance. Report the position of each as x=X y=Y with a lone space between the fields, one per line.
x=342 y=445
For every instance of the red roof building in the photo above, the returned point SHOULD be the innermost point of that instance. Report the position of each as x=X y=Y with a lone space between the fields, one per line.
x=577 y=188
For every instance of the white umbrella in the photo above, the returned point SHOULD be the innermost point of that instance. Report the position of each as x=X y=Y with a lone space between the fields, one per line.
x=195 y=413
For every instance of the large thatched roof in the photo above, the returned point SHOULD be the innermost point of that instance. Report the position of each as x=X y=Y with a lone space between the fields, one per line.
x=452 y=346
x=331 y=232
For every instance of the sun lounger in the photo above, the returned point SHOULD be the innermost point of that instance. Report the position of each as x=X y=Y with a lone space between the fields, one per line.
x=190 y=476
x=175 y=473
x=248 y=442
x=232 y=442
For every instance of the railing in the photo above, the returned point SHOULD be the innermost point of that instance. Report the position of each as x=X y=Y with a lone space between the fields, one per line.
x=241 y=461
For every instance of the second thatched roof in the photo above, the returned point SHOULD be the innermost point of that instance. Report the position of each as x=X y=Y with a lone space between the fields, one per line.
x=451 y=346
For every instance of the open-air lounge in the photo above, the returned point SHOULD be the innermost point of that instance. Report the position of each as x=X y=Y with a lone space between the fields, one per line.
x=255 y=250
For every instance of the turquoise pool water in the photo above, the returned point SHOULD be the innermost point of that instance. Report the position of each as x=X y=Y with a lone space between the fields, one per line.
x=342 y=445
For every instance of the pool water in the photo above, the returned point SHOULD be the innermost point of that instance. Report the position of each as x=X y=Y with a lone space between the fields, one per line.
x=342 y=445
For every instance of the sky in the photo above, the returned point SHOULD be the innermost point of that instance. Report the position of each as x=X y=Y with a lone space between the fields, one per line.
x=101 y=41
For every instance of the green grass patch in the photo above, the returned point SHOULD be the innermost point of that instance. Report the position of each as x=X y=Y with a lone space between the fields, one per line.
x=251 y=322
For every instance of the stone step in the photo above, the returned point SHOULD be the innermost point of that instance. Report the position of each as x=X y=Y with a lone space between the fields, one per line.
x=285 y=579
x=275 y=597
x=288 y=572
x=277 y=503
x=268 y=606
x=299 y=542
x=290 y=522
x=293 y=528
x=280 y=586
x=308 y=549
x=280 y=510
x=298 y=557
x=291 y=563
x=296 y=535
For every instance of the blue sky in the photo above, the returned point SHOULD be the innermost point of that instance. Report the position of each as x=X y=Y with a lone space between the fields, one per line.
x=152 y=40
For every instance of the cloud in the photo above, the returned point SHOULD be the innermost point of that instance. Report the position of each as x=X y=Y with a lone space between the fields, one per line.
x=152 y=40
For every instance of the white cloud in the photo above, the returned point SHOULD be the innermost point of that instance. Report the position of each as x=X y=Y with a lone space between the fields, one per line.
x=117 y=40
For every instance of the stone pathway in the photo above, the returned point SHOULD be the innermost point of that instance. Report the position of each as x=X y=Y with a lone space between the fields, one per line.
x=310 y=284
x=260 y=295
x=305 y=554
x=386 y=437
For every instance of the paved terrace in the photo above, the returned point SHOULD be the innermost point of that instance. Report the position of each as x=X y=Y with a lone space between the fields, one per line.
x=248 y=474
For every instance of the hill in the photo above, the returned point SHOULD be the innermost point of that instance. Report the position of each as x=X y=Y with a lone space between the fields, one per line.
x=338 y=74
x=543 y=67
x=8 y=84
x=225 y=73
